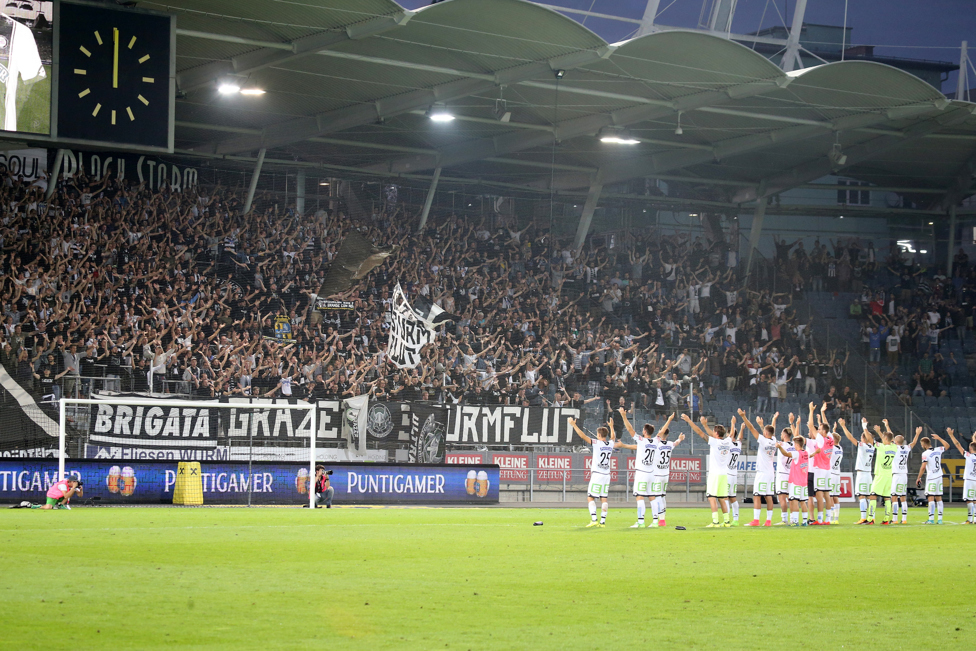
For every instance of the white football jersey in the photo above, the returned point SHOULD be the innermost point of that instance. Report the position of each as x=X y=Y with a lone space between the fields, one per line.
x=662 y=461
x=719 y=451
x=646 y=449
x=902 y=453
x=865 y=458
x=835 y=460
x=933 y=463
x=783 y=463
x=970 y=474
x=734 y=453
x=766 y=456
x=602 y=453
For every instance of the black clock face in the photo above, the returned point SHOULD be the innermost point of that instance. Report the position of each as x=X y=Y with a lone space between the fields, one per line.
x=114 y=76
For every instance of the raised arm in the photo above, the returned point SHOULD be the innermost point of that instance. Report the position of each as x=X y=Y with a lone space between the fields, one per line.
x=918 y=432
x=962 y=450
x=694 y=428
x=582 y=435
x=748 y=423
x=630 y=428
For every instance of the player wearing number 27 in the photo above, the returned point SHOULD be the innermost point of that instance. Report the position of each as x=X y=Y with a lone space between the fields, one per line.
x=603 y=446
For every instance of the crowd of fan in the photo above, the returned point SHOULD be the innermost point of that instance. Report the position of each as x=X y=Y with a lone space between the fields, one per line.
x=113 y=286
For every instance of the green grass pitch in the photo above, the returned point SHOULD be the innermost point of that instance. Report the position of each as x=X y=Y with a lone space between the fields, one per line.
x=348 y=578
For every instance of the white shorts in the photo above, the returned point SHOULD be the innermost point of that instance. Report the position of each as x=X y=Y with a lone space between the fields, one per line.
x=969 y=490
x=599 y=485
x=764 y=484
x=783 y=484
x=733 y=485
x=718 y=485
x=899 y=485
x=642 y=483
x=862 y=483
x=835 y=484
x=798 y=493
x=933 y=487
x=659 y=485
x=821 y=480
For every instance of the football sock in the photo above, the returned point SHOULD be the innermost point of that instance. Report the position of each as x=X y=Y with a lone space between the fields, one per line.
x=593 y=511
x=641 y=507
x=904 y=511
x=826 y=515
x=872 y=508
x=805 y=517
x=820 y=516
x=725 y=517
x=654 y=508
x=939 y=504
x=756 y=513
x=931 y=510
x=714 y=517
x=895 y=507
x=735 y=510
x=662 y=506
x=972 y=511
x=784 y=516
x=603 y=512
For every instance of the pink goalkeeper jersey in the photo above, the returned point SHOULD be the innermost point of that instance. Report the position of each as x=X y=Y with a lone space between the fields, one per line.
x=822 y=459
x=798 y=469
x=57 y=490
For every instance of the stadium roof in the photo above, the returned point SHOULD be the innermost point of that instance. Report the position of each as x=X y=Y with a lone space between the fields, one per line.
x=349 y=82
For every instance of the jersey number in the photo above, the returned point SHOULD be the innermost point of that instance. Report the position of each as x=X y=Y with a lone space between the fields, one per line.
x=604 y=460
x=664 y=459
x=648 y=457
x=734 y=460
x=886 y=464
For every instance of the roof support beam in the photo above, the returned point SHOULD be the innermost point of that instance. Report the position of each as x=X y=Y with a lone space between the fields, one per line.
x=823 y=166
x=285 y=133
x=589 y=207
x=791 y=57
x=272 y=54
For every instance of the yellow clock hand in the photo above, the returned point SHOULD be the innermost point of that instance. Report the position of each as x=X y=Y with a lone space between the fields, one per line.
x=115 y=60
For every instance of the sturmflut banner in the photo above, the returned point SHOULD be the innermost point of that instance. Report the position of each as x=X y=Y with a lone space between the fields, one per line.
x=493 y=425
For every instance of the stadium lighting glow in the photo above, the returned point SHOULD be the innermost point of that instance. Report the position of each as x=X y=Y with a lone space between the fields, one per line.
x=923 y=251
x=931 y=223
x=439 y=113
x=324 y=183
x=228 y=89
x=616 y=136
x=252 y=91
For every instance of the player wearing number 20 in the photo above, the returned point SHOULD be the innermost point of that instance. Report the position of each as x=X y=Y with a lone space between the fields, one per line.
x=603 y=446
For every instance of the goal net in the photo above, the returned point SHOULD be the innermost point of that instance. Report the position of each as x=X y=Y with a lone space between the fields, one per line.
x=142 y=450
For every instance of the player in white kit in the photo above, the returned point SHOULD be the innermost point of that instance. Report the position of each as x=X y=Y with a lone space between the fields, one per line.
x=932 y=466
x=863 y=465
x=719 y=451
x=603 y=446
x=899 y=478
x=783 y=463
x=837 y=458
x=661 y=474
x=764 y=483
x=968 y=477
x=646 y=448
x=735 y=437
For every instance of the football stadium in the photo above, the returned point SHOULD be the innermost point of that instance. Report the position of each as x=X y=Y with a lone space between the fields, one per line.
x=424 y=325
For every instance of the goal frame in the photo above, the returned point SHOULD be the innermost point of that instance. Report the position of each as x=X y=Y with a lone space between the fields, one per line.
x=197 y=404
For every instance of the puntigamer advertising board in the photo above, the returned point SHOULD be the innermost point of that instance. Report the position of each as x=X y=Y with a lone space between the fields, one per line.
x=152 y=482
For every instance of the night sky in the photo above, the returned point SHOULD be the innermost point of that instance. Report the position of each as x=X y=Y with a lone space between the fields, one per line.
x=916 y=29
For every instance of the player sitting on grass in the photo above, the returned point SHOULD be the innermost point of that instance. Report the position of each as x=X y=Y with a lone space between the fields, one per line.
x=61 y=493
x=969 y=476
x=603 y=447
x=932 y=466
x=862 y=465
x=798 y=479
x=764 y=483
x=720 y=449
x=899 y=482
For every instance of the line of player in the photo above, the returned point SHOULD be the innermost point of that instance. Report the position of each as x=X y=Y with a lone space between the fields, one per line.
x=793 y=469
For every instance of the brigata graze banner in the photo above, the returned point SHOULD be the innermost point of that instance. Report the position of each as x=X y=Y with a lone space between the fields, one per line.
x=493 y=425
x=152 y=482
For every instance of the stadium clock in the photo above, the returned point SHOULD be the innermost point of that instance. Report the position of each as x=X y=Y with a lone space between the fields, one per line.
x=114 y=75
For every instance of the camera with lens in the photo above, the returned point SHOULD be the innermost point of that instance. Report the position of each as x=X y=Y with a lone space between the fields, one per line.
x=328 y=472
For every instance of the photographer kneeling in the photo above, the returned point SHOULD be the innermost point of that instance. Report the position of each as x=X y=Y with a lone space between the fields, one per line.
x=323 y=491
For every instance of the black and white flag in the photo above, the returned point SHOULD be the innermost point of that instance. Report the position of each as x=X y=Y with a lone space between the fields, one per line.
x=412 y=328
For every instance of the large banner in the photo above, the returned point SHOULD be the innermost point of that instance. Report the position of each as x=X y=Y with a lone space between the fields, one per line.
x=148 y=482
x=427 y=426
x=498 y=424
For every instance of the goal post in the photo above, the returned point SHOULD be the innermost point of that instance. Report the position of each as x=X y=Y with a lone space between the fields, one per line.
x=148 y=404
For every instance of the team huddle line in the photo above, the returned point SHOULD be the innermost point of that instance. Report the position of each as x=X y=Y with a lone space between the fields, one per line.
x=803 y=472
